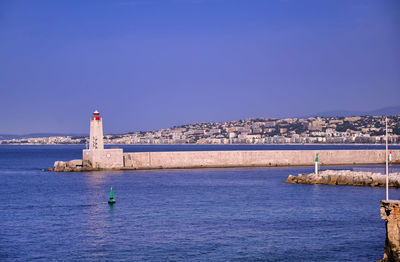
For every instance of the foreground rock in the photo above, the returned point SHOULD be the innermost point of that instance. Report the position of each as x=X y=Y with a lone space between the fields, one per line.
x=346 y=177
x=390 y=212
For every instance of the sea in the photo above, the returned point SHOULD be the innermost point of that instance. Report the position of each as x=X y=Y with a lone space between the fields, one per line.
x=226 y=214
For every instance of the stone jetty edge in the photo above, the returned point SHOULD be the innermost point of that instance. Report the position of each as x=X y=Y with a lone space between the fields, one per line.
x=346 y=177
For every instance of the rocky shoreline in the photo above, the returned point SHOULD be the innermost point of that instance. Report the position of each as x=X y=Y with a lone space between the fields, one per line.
x=346 y=177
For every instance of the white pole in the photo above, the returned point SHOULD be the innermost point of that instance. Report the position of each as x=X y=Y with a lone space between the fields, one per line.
x=387 y=166
x=316 y=167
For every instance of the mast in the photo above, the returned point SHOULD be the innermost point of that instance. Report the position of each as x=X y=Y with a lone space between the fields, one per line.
x=387 y=164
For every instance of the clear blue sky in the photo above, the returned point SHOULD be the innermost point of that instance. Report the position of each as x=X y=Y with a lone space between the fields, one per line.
x=150 y=64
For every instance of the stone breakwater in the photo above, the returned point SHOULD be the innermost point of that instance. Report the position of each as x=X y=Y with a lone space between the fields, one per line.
x=116 y=159
x=346 y=177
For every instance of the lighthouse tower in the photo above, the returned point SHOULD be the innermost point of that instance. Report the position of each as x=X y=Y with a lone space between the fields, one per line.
x=96 y=157
x=96 y=132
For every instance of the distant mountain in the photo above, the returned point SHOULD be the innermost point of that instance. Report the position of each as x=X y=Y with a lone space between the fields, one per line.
x=8 y=136
x=337 y=113
x=386 y=111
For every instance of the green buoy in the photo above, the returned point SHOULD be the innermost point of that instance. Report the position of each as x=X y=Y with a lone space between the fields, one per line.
x=111 y=201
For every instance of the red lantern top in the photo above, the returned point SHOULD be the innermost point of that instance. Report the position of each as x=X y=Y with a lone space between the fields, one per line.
x=96 y=115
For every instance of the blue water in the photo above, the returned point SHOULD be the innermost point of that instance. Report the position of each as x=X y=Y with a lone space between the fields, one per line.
x=246 y=214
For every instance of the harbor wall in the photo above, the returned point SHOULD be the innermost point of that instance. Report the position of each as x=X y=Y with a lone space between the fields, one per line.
x=203 y=159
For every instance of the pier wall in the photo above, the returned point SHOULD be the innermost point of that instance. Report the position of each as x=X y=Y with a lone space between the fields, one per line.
x=201 y=159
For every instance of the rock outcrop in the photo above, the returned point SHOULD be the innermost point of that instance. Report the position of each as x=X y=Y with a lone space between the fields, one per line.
x=75 y=165
x=346 y=177
x=390 y=212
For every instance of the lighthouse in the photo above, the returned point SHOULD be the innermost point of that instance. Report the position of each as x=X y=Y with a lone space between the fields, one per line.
x=96 y=157
x=96 y=132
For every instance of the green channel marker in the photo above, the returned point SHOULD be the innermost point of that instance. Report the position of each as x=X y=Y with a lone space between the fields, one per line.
x=111 y=201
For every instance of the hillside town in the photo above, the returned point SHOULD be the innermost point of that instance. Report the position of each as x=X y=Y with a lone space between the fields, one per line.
x=321 y=130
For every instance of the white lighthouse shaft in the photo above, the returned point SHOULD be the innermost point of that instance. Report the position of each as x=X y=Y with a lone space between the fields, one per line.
x=96 y=132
